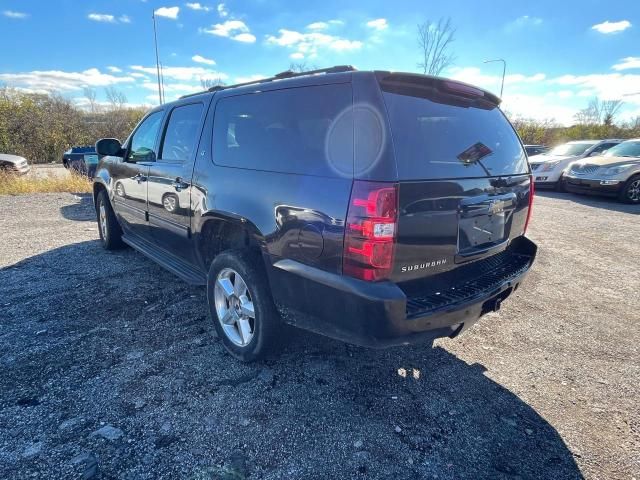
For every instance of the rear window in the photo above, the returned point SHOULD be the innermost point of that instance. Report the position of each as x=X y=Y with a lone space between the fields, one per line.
x=437 y=140
x=307 y=130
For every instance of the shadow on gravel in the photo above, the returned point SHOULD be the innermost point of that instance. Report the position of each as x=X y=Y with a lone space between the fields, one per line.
x=607 y=203
x=113 y=372
x=82 y=210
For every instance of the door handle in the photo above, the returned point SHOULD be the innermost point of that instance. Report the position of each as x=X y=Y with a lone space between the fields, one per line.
x=179 y=185
x=140 y=178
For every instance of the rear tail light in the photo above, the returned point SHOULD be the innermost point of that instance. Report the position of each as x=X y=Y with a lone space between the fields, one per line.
x=370 y=231
x=532 y=191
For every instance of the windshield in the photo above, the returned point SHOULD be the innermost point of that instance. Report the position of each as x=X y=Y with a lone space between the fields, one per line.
x=624 y=149
x=570 y=149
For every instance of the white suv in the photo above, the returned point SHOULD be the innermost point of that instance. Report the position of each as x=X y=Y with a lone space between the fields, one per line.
x=549 y=168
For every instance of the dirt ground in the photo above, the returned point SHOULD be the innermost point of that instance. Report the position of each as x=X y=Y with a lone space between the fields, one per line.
x=109 y=368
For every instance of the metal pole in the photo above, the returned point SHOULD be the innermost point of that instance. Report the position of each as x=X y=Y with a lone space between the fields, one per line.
x=155 y=38
x=504 y=70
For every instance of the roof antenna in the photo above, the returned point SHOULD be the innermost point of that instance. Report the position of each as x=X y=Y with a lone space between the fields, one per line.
x=155 y=39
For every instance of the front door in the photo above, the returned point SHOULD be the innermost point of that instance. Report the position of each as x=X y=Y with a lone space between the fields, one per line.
x=129 y=176
x=169 y=181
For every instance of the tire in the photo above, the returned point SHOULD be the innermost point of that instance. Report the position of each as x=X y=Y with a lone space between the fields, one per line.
x=247 y=339
x=108 y=226
x=560 y=185
x=630 y=193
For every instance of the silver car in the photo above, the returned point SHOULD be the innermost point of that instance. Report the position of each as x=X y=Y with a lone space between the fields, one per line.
x=14 y=164
x=616 y=173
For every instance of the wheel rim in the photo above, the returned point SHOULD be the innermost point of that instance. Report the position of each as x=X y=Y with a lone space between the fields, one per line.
x=170 y=204
x=234 y=307
x=103 y=220
x=633 y=192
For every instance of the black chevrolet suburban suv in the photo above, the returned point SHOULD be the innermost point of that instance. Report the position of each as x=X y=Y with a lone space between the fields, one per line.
x=377 y=208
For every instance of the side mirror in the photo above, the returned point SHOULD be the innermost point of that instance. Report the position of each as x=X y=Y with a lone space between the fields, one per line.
x=109 y=146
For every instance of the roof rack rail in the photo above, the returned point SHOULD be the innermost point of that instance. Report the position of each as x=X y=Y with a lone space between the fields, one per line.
x=278 y=76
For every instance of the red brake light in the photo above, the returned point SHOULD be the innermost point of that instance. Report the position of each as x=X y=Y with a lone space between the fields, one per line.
x=370 y=231
x=532 y=191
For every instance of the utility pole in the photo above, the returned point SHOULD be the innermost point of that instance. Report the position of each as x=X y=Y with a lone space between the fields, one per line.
x=155 y=38
x=504 y=70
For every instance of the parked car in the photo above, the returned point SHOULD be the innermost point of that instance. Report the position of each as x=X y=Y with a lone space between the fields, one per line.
x=14 y=164
x=616 y=173
x=535 y=149
x=82 y=160
x=295 y=205
x=548 y=168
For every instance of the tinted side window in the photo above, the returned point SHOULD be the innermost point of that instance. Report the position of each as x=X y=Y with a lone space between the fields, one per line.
x=306 y=130
x=143 y=141
x=181 y=134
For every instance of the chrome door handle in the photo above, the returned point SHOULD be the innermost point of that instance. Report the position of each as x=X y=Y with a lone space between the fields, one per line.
x=140 y=178
x=179 y=185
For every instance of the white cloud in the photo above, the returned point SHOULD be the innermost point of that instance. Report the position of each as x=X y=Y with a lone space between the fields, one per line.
x=108 y=18
x=114 y=69
x=56 y=80
x=475 y=76
x=378 y=24
x=233 y=29
x=101 y=17
x=607 y=86
x=201 y=59
x=612 y=27
x=523 y=22
x=627 y=63
x=14 y=14
x=250 y=78
x=183 y=74
x=222 y=10
x=308 y=44
x=197 y=6
x=244 y=37
x=137 y=75
x=296 y=56
x=318 y=26
x=168 y=12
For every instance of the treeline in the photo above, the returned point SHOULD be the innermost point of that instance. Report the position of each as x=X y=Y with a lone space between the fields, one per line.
x=535 y=132
x=40 y=127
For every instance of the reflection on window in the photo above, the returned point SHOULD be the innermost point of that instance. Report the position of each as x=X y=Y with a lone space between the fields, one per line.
x=180 y=138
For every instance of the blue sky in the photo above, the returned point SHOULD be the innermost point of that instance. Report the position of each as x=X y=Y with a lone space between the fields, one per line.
x=559 y=54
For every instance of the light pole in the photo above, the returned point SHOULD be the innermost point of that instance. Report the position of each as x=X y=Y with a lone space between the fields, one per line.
x=504 y=70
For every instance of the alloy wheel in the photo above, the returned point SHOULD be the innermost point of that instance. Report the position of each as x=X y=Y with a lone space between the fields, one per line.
x=103 y=220
x=234 y=307
x=633 y=191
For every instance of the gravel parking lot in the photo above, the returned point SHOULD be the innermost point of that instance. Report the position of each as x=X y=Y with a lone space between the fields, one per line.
x=110 y=369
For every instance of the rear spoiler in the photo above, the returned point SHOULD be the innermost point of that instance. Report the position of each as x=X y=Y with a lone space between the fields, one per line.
x=437 y=89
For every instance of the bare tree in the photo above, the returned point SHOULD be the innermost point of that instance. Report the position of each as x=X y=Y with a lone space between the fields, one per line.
x=301 y=67
x=208 y=83
x=116 y=98
x=598 y=112
x=591 y=114
x=609 y=109
x=434 y=40
x=90 y=95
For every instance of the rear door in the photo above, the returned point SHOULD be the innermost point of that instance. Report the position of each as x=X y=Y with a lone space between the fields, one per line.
x=463 y=175
x=169 y=183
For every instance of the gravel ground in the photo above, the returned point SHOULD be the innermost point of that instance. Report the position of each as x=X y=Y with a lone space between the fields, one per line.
x=110 y=369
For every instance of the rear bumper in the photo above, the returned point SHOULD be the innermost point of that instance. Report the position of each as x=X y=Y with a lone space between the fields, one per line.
x=384 y=314
x=593 y=186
